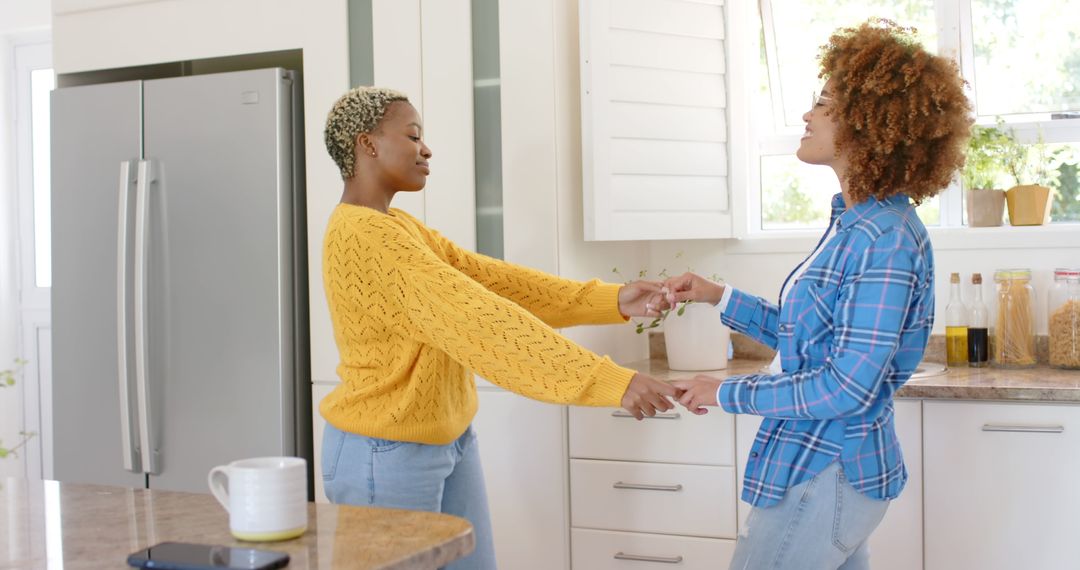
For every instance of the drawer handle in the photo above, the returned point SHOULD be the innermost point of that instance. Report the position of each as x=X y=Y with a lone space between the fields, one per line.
x=1024 y=429
x=643 y=558
x=644 y=487
x=658 y=416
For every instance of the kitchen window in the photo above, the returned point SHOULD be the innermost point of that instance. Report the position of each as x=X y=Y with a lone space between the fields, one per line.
x=1021 y=59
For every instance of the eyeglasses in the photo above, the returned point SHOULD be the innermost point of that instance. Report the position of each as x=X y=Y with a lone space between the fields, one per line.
x=816 y=98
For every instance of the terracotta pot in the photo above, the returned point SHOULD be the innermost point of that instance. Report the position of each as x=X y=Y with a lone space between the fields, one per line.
x=1029 y=205
x=985 y=207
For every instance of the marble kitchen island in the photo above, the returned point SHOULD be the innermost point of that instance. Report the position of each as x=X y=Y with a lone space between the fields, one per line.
x=48 y=524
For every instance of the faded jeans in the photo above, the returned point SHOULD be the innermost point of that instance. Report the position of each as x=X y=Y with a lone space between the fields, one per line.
x=821 y=524
x=360 y=470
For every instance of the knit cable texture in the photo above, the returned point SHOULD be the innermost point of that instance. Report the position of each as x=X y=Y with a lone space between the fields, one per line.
x=413 y=314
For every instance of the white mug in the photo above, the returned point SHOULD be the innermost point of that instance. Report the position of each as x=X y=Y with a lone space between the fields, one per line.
x=266 y=497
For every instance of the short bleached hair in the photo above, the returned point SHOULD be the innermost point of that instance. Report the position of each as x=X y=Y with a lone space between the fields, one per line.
x=357 y=111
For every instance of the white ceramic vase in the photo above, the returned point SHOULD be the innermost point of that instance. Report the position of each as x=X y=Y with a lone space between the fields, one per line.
x=697 y=339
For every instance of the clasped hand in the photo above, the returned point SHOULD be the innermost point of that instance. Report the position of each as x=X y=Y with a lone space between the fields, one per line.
x=645 y=396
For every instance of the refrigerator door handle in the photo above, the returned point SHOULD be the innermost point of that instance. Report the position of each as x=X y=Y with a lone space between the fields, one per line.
x=131 y=454
x=142 y=213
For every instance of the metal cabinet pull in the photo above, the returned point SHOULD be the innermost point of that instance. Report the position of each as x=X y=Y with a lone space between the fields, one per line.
x=658 y=416
x=1023 y=429
x=646 y=487
x=643 y=558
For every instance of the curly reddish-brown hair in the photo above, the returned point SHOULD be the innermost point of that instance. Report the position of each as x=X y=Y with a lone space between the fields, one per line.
x=902 y=118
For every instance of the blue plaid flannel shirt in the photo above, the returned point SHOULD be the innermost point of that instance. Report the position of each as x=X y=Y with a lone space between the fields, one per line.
x=851 y=331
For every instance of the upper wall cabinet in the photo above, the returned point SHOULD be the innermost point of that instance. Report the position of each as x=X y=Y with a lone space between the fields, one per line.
x=654 y=119
x=67 y=6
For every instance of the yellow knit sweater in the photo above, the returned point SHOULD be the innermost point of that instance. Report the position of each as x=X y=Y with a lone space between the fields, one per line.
x=413 y=314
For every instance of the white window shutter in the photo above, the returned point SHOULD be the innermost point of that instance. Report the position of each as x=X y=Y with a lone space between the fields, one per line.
x=654 y=119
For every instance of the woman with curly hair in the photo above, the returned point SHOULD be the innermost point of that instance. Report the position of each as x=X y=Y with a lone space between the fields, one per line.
x=853 y=319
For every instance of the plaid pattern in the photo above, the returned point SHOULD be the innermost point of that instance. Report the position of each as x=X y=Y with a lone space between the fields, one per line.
x=850 y=332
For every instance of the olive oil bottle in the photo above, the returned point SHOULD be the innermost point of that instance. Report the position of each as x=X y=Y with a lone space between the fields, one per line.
x=956 y=326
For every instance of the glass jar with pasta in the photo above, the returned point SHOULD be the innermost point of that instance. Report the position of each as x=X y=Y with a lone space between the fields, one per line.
x=1063 y=303
x=1014 y=331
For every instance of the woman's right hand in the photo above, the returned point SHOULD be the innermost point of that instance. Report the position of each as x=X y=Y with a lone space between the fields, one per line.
x=646 y=395
x=692 y=287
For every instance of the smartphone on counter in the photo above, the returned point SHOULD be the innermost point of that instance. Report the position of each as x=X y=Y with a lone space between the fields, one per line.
x=186 y=556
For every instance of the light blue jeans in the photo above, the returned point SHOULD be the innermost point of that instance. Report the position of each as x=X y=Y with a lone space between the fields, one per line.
x=821 y=524
x=359 y=470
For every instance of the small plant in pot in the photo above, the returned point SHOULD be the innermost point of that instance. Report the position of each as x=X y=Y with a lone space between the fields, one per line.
x=1030 y=199
x=695 y=338
x=983 y=169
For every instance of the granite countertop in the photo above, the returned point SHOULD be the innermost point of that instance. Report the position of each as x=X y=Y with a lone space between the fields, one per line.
x=1039 y=384
x=47 y=524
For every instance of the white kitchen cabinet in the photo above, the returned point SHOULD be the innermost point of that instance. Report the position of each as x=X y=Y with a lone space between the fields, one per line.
x=659 y=490
x=523 y=449
x=897 y=544
x=690 y=500
x=606 y=550
x=1001 y=485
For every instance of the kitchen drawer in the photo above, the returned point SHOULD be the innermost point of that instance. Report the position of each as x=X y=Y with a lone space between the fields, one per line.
x=606 y=550
x=677 y=436
x=693 y=500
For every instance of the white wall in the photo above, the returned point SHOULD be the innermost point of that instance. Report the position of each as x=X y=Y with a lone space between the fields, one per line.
x=21 y=21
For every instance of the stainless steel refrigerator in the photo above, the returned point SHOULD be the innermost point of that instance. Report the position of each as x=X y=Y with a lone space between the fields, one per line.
x=179 y=295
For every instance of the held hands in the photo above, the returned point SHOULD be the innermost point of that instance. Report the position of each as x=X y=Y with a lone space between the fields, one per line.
x=698 y=392
x=642 y=299
x=645 y=396
x=692 y=287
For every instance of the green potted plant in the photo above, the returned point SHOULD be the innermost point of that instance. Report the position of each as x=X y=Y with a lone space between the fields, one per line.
x=7 y=380
x=983 y=198
x=695 y=340
x=1029 y=200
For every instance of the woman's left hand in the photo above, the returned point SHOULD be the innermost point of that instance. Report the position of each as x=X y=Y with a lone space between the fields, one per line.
x=697 y=393
x=641 y=299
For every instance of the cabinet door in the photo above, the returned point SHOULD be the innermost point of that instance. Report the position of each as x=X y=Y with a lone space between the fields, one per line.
x=607 y=550
x=693 y=500
x=1001 y=488
x=897 y=544
x=523 y=449
x=668 y=437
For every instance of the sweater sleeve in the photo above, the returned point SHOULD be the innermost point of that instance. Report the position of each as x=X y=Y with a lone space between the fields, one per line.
x=556 y=301
x=444 y=308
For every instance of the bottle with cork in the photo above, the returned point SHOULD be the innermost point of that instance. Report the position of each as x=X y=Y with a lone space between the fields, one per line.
x=978 y=327
x=956 y=326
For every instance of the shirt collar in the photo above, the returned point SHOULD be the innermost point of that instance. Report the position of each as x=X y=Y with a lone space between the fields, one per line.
x=849 y=216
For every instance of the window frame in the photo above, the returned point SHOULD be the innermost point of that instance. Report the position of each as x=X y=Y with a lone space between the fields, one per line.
x=953 y=20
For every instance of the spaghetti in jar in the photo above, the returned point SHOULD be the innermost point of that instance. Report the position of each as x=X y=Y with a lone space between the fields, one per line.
x=1014 y=331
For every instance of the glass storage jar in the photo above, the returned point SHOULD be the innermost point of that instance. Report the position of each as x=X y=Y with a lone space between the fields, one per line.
x=1063 y=322
x=1014 y=329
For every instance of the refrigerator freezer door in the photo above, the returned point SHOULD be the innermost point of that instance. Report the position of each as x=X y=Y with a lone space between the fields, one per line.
x=219 y=338
x=95 y=131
